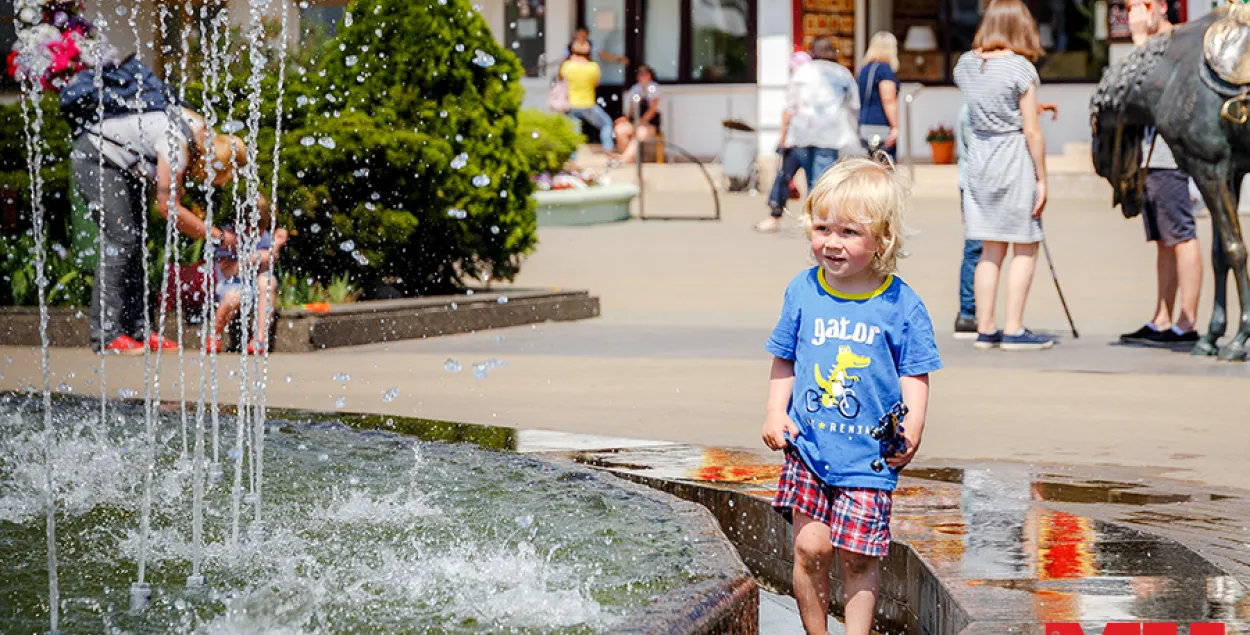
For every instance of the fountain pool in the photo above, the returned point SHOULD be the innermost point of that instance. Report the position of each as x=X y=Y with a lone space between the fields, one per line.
x=364 y=532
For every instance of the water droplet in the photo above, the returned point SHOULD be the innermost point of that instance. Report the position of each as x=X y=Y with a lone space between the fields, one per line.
x=347 y=245
x=323 y=457
x=351 y=60
x=460 y=161
x=307 y=141
x=327 y=143
x=452 y=366
x=63 y=387
x=287 y=379
x=342 y=377
x=125 y=393
x=316 y=229
x=347 y=19
x=481 y=180
x=523 y=521
x=534 y=134
x=390 y=395
x=340 y=402
x=483 y=59
x=360 y=258
x=458 y=214
x=459 y=47
x=503 y=299
x=111 y=251
x=234 y=454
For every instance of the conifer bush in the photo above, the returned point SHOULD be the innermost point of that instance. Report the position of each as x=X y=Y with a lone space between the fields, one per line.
x=400 y=159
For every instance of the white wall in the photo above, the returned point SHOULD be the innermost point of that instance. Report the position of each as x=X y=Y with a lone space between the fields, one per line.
x=940 y=105
x=773 y=51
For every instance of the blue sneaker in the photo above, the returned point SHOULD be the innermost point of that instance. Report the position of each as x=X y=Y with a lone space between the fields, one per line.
x=1026 y=340
x=992 y=340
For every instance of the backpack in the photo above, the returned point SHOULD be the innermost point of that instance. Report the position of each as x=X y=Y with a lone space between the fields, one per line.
x=127 y=88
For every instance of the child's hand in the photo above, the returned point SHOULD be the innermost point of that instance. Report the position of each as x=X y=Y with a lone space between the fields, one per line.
x=901 y=459
x=776 y=425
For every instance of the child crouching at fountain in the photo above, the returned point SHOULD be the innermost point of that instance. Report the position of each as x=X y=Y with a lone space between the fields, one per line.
x=231 y=286
x=853 y=346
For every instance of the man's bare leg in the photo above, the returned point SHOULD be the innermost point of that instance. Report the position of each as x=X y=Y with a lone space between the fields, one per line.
x=1165 y=274
x=1189 y=277
x=813 y=556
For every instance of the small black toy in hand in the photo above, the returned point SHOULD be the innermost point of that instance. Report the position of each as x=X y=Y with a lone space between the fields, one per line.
x=889 y=432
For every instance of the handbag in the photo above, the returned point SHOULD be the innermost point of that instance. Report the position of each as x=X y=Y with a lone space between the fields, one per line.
x=873 y=136
x=558 y=94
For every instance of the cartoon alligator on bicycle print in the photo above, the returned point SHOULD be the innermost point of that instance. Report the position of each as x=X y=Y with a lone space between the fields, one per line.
x=837 y=386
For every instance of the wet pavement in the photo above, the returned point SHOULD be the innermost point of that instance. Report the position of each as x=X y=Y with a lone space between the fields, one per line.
x=1018 y=545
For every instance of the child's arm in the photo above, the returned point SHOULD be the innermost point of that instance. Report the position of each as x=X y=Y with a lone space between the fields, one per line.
x=916 y=397
x=777 y=420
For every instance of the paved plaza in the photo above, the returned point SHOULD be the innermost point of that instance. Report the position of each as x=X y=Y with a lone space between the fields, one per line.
x=686 y=306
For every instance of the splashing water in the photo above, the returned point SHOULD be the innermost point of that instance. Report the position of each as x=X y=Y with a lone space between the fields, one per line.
x=365 y=534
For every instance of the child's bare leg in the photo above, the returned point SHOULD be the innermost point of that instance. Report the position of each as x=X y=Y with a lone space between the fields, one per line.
x=861 y=578
x=265 y=292
x=226 y=310
x=813 y=555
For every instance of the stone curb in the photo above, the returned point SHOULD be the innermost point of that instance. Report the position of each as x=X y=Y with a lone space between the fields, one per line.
x=298 y=330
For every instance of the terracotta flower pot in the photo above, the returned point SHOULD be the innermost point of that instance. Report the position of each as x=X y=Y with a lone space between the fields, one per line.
x=943 y=151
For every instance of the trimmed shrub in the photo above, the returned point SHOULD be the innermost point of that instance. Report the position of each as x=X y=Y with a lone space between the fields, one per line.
x=402 y=164
x=547 y=139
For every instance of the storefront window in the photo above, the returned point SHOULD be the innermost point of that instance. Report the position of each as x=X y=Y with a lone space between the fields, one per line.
x=684 y=41
x=663 y=38
x=1074 y=50
x=719 y=40
x=526 y=23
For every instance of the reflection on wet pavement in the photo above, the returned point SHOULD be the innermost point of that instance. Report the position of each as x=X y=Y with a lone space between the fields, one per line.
x=1018 y=545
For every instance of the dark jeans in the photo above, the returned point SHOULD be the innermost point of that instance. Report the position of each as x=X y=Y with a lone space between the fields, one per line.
x=814 y=161
x=119 y=271
x=967 y=271
x=781 y=185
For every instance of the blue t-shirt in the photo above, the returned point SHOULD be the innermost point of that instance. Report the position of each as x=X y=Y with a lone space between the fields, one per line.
x=872 y=110
x=849 y=353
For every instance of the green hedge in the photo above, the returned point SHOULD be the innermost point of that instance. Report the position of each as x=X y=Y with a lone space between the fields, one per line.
x=547 y=139
x=423 y=184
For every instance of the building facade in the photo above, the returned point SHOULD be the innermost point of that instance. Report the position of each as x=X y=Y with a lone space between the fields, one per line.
x=729 y=59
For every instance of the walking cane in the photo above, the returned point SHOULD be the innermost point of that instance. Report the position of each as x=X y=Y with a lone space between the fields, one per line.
x=1051 y=264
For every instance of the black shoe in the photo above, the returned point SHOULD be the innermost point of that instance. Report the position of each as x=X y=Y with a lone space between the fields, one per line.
x=1171 y=338
x=965 y=328
x=1140 y=335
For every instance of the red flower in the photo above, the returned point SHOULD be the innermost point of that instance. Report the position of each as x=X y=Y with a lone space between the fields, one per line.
x=12 y=64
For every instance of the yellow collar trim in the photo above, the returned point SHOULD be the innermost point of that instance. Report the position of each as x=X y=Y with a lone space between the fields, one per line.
x=824 y=284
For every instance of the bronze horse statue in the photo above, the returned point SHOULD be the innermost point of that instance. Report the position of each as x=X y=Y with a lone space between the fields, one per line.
x=1178 y=81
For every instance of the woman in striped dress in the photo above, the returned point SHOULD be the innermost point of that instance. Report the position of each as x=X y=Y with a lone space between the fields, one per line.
x=1006 y=166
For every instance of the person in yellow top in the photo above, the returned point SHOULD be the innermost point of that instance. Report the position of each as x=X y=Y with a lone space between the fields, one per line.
x=582 y=76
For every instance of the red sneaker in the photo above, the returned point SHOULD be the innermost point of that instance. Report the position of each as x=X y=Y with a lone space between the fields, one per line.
x=255 y=348
x=124 y=345
x=156 y=342
x=213 y=345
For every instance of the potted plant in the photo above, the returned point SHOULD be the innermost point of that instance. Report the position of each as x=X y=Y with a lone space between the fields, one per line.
x=942 y=142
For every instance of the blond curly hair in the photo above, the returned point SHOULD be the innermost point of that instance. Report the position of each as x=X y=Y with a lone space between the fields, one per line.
x=867 y=191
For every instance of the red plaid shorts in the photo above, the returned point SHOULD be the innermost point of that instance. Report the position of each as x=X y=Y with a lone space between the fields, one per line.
x=858 y=518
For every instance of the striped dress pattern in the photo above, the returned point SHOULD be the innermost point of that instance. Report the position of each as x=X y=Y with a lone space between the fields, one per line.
x=1001 y=180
